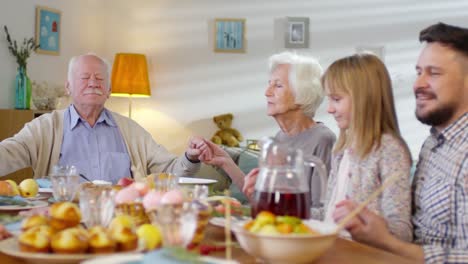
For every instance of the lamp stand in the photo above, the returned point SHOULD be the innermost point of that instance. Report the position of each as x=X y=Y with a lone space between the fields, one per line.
x=130 y=107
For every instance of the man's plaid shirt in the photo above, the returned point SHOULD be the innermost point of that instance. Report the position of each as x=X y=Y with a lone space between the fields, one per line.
x=441 y=195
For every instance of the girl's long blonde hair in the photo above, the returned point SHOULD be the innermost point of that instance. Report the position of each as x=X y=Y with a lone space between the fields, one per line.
x=365 y=79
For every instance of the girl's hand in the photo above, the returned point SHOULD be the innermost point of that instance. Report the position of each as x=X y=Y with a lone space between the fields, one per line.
x=249 y=183
x=367 y=227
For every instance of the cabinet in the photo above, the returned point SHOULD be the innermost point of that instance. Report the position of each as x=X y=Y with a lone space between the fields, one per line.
x=12 y=121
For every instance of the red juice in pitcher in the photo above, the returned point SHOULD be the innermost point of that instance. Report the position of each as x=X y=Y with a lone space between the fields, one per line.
x=282 y=203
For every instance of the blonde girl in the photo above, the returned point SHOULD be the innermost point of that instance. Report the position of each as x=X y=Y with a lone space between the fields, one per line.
x=369 y=148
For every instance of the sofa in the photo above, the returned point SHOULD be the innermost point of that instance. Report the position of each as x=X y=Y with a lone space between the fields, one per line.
x=246 y=159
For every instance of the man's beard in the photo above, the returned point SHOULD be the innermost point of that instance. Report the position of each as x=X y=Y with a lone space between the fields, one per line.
x=438 y=116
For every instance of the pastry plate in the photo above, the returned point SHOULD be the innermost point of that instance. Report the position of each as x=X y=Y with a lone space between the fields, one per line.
x=10 y=247
x=32 y=204
x=116 y=259
x=190 y=180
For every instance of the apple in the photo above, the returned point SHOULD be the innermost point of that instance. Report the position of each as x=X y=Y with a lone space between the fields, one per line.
x=125 y=181
x=150 y=236
x=6 y=189
x=28 y=188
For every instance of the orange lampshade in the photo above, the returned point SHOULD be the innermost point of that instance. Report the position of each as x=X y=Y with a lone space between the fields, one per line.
x=130 y=76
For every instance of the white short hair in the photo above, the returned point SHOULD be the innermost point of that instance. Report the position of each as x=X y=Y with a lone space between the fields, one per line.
x=304 y=79
x=71 y=66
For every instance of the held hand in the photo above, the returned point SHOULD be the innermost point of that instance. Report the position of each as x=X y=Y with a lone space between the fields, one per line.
x=194 y=149
x=213 y=154
x=367 y=227
x=249 y=183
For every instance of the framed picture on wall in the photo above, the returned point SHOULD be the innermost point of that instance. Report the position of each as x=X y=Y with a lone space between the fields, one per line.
x=48 y=30
x=297 y=33
x=229 y=35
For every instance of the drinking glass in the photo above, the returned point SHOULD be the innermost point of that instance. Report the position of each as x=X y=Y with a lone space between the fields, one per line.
x=65 y=182
x=164 y=181
x=97 y=204
x=177 y=223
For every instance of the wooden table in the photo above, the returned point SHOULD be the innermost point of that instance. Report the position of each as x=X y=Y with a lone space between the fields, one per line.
x=343 y=251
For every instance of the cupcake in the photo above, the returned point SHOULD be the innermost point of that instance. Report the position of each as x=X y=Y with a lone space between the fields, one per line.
x=64 y=215
x=70 y=241
x=34 y=241
x=100 y=241
x=33 y=221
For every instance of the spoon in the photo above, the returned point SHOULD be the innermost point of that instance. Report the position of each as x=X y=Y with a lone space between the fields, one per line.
x=84 y=177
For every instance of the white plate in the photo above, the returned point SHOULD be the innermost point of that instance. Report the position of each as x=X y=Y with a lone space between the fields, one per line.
x=115 y=259
x=33 y=204
x=45 y=190
x=10 y=247
x=38 y=197
x=190 y=180
x=221 y=221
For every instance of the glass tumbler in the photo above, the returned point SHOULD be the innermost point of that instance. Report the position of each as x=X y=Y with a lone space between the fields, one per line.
x=65 y=182
x=177 y=223
x=97 y=204
x=164 y=182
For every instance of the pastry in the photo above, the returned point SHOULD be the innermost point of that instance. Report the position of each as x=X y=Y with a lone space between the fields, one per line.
x=100 y=241
x=152 y=200
x=34 y=220
x=126 y=239
x=64 y=215
x=70 y=241
x=34 y=241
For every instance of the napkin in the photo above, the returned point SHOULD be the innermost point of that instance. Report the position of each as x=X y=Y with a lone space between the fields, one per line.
x=44 y=183
x=166 y=256
x=13 y=200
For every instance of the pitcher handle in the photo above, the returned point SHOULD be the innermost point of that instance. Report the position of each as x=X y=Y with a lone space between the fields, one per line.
x=318 y=164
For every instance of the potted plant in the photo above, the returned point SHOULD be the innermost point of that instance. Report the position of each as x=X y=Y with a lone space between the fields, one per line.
x=22 y=82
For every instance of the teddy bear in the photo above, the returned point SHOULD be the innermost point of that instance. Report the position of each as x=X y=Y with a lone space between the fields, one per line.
x=226 y=135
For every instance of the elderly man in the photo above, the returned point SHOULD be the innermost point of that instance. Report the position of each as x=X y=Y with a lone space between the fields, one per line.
x=441 y=181
x=101 y=144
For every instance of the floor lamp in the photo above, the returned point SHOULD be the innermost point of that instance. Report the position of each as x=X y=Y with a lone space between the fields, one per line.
x=130 y=77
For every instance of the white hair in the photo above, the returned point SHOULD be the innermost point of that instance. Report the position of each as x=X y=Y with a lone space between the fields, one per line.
x=304 y=79
x=72 y=64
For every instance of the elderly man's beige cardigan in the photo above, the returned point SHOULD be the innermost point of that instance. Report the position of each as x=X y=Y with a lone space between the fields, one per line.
x=39 y=143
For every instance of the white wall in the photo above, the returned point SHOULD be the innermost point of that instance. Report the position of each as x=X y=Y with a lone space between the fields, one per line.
x=191 y=83
x=79 y=34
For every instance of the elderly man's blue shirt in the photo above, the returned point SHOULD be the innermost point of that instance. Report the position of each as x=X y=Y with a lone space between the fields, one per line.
x=99 y=152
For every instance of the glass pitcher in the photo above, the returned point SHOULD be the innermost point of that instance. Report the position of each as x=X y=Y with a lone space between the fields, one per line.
x=283 y=184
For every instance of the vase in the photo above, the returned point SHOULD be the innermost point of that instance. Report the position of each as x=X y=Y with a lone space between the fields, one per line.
x=22 y=89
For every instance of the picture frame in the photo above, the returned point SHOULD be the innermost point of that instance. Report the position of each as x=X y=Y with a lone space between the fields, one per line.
x=48 y=26
x=229 y=35
x=297 y=33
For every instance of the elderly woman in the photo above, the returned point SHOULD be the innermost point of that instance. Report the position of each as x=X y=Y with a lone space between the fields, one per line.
x=293 y=94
